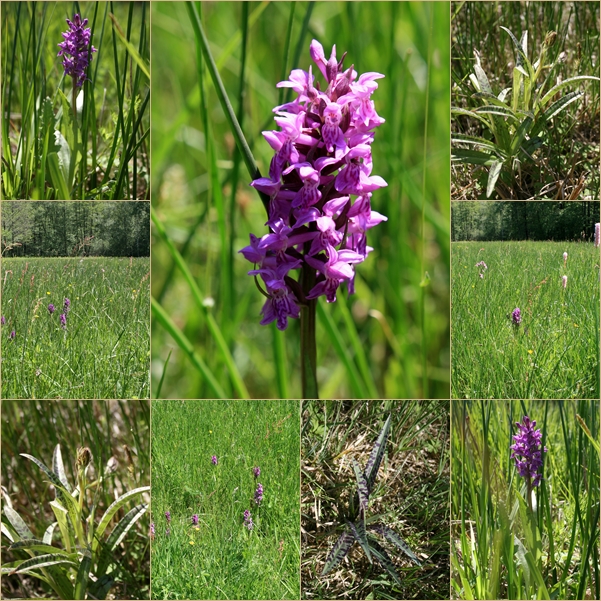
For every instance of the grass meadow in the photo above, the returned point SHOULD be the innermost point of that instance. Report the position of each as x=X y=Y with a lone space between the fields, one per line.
x=410 y=496
x=502 y=548
x=390 y=339
x=103 y=152
x=554 y=352
x=220 y=558
x=104 y=352
x=118 y=436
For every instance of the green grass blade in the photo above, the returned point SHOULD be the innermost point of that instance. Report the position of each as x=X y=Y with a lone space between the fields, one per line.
x=214 y=329
x=182 y=341
x=241 y=142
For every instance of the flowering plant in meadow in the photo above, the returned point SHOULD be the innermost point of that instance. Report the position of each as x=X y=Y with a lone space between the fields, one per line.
x=527 y=451
x=76 y=50
x=516 y=317
x=358 y=527
x=85 y=567
x=322 y=161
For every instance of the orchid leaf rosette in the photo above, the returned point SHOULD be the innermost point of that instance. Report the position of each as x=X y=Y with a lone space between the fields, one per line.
x=319 y=186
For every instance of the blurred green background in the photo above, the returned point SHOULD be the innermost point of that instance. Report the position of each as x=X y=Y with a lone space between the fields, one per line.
x=380 y=326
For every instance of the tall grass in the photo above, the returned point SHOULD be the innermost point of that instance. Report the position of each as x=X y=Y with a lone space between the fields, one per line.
x=104 y=350
x=500 y=548
x=375 y=344
x=117 y=432
x=411 y=496
x=554 y=352
x=221 y=558
x=47 y=153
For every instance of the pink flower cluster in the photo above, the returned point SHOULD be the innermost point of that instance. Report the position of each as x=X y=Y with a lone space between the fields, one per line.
x=320 y=186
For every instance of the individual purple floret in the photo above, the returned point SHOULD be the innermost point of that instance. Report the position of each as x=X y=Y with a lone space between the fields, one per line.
x=195 y=520
x=2 y=320
x=63 y=319
x=12 y=335
x=214 y=459
x=248 y=521
x=76 y=50
x=516 y=316
x=67 y=306
x=259 y=494
x=527 y=451
x=168 y=517
x=320 y=186
x=256 y=472
x=51 y=308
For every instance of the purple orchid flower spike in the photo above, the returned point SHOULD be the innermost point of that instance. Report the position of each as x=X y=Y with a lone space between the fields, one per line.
x=76 y=50
x=320 y=186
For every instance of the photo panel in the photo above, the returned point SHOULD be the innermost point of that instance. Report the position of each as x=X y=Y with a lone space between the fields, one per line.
x=525 y=499
x=375 y=500
x=525 y=300
x=525 y=101
x=306 y=252
x=225 y=517
x=75 y=499
x=75 y=300
x=75 y=101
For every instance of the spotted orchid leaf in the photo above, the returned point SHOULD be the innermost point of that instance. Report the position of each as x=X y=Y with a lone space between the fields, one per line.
x=390 y=535
x=339 y=551
x=358 y=530
x=58 y=467
x=43 y=561
x=16 y=521
x=376 y=455
x=382 y=556
x=362 y=487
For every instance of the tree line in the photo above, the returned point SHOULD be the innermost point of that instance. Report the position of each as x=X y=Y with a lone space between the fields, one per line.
x=530 y=220
x=69 y=229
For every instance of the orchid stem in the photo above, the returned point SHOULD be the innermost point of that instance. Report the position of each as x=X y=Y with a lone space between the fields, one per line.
x=308 y=346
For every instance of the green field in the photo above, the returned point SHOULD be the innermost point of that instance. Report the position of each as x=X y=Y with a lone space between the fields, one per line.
x=554 y=352
x=104 y=350
x=220 y=558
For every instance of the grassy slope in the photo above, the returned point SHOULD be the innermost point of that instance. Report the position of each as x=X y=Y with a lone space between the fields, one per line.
x=225 y=561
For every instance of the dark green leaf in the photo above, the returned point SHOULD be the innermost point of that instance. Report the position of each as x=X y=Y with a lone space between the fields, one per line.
x=362 y=486
x=395 y=539
x=42 y=561
x=358 y=530
x=339 y=551
x=382 y=556
x=376 y=455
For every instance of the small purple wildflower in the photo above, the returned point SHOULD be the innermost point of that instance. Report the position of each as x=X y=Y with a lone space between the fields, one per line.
x=248 y=521
x=76 y=50
x=2 y=320
x=214 y=459
x=12 y=335
x=256 y=472
x=67 y=306
x=63 y=319
x=322 y=160
x=259 y=494
x=482 y=264
x=527 y=450
x=168 y=517
x=516 y=316
x=51 y=308
x=195 y=520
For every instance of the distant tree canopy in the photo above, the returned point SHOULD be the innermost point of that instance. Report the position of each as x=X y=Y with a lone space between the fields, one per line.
x=528 y=220
x=68 y=229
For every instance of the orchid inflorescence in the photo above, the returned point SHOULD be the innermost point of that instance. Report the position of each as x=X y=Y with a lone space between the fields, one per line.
x=322 y=159
x=527 y=451
x=76 y=50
